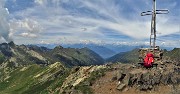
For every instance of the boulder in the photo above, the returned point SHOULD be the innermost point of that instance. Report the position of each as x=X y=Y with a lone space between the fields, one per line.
x=121 y=87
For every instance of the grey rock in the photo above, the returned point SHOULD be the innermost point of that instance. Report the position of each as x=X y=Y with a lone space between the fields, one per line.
x=120 y=76
x=165 y=79
x=120 y=87
x=114 y=78
x=126 y=79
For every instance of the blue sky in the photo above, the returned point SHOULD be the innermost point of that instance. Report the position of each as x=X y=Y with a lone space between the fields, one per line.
x=87 y=21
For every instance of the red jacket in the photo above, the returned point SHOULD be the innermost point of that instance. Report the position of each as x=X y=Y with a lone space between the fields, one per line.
x=149 y=60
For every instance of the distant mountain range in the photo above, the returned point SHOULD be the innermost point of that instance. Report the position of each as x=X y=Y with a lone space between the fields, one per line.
x=17 y=55
x=104 y=50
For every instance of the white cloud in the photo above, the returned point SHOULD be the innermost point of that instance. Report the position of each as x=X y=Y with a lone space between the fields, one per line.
x=25 y=28
x=40 y=2
x=26 y=24
x=4 y=25
x=29 y=35
x=66 y=18
x=44 y=42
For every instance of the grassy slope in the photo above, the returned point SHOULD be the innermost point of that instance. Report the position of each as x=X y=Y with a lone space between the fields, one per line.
x=174 y=54
x=34 y=79
x=2 y=58
x=74 y=57
x=126 y=57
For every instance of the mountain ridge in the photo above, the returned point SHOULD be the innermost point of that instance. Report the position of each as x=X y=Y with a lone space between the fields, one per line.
x=22 y=54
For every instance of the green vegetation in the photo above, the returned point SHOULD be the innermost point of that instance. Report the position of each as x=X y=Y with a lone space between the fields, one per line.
x=125 y=57
x=2 y=58
x=174 y=54
x=74 y=57
x=31 y=54
x=34 y=79
x=31 y=69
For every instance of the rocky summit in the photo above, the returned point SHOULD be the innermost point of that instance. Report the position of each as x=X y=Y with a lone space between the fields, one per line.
x=134 y=79
x=152 y=79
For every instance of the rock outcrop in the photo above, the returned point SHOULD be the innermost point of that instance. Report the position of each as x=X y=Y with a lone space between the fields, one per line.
x=147 y=79
x=78 y=75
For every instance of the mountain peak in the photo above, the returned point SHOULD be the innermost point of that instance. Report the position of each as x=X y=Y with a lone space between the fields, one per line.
x=58 y=47
x=11 y=44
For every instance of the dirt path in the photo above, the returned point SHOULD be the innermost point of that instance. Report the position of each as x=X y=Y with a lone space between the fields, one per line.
x=104 y=85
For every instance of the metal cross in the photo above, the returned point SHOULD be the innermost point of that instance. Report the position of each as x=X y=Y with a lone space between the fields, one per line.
x=153 y=22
